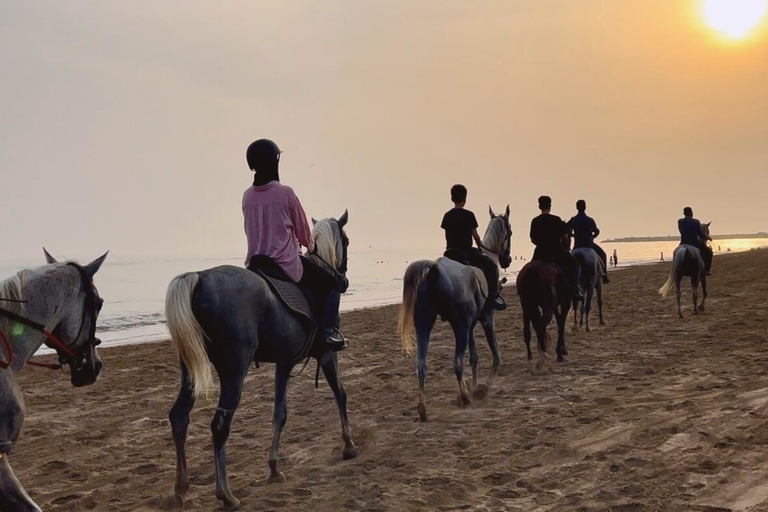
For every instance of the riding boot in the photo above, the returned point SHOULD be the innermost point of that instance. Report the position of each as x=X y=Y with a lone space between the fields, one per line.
x=329 y=323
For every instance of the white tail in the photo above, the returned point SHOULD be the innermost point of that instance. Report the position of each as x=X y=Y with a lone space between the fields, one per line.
x=187 y=333
x=677 y=266
x=414 y=275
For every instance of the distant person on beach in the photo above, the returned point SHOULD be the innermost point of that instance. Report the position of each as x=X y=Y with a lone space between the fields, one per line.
x=584 y=230
x=661 y=260
x=276 y=226
x=615 y=258
x=691 y=233
x=548 y=234
x=460 y=227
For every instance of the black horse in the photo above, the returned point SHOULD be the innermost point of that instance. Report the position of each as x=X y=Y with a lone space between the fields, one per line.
x=229 y=316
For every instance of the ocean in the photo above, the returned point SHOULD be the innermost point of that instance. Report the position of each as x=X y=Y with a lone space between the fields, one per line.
x=134 y=289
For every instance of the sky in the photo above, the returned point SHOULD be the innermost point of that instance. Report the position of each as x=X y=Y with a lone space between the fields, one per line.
x=124 y=125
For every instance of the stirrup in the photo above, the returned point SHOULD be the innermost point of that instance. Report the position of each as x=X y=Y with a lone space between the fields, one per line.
x=336 y=341
x=499 y=304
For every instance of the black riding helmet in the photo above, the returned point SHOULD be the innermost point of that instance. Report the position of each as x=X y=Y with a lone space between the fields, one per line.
x=263 y=157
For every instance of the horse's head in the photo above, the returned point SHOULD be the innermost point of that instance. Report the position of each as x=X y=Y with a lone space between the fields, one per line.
x=332 y=245
x=499 y=236
x=705 y=228
x=77 y=327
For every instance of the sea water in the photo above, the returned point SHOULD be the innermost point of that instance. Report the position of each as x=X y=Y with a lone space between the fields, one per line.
x=134 y=289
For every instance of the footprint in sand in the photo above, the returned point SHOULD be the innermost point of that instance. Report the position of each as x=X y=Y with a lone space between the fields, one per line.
x=55 y=465
x=498 y=478
x=147 y=469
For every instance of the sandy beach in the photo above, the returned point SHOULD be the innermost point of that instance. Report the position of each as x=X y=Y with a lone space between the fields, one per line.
x=649 y=412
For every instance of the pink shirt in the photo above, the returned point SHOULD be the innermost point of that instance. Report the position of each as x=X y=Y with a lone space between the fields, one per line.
x=275 y=225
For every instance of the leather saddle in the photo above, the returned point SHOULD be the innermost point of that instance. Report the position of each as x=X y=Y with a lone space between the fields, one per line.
x=457 y=256
x=296 y=298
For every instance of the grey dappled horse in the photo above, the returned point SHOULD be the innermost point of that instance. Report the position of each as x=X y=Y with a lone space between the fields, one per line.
x=592 y=272
x=458 y=294
x=228 y=316
x=687 y=261
x=55 y=304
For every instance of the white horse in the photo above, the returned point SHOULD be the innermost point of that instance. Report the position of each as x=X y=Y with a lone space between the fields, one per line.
x=592 y=272
x=687 y=261
x=57 y=305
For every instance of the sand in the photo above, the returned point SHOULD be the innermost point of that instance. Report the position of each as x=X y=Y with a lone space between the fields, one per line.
x=649 y=412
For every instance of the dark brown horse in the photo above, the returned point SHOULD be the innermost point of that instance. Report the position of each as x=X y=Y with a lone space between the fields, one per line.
x=543 y=294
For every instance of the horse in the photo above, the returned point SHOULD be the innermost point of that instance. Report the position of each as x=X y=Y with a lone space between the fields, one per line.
x=457 y=293
x=58 y=305
x=592 y=272
x=687 y=261
x=543 y=294
x=228 y=316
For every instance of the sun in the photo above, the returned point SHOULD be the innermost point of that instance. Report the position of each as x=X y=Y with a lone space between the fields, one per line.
x=734 y=19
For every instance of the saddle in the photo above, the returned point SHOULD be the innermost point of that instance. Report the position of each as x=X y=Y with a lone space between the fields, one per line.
x=296 y=298
x=459 y=257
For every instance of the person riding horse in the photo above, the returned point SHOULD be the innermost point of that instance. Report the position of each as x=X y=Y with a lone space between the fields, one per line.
x=583 y=229
x=460 y=227
x=691 y=233
x=276 y=226
x=548 y=233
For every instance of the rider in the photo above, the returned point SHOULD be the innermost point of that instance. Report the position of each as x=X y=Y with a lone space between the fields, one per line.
x=691 y=233
x=276 y=226
x=460 y=227
x=548 y=235
x=584 y=230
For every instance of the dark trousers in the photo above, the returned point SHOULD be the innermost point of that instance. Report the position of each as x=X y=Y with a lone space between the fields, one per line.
x=563 y=259
x=489 y=268
x=707 y=253
x=327 y=293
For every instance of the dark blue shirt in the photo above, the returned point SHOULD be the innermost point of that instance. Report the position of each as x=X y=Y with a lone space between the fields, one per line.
x=690 y=231
x=583 y=229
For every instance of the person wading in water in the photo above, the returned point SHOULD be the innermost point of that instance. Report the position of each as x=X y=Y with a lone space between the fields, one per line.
x=276 y=226
x=460 y=227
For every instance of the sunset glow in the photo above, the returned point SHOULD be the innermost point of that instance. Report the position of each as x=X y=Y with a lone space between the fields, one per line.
x=734 y=19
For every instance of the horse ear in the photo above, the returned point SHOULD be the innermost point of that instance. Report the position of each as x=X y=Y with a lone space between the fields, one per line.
x=48 y=258
x=94 y=266
x=344 y=219
x=506 y=214
x=490 y=210
x=314 y=221
x=709 y=223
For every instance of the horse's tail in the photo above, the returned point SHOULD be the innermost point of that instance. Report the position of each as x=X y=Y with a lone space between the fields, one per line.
x=677 y=265
x=186 y=331
x=414 y=276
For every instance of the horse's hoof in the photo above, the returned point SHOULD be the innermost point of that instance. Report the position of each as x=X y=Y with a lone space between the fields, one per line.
x=175 y=502
x=480 y=392
x=560 y=359
x=181 y=488
x=422 y=413
x=463 y=401
x=231 y=504
x=277 y=478
x=602 y=322
x=350 y=452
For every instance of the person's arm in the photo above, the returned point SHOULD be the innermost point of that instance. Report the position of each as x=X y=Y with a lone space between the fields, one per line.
x=595 y=229
x=532 y=235
x=300 y=224
x=478 y=241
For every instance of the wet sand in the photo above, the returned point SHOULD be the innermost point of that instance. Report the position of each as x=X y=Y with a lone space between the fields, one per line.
x=649 y=412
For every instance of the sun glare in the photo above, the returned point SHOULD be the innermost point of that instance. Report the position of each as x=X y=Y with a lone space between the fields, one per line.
x=734 y=19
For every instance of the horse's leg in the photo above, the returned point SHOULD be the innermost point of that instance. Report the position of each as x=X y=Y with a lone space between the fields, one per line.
x=695 y=290
x=13 y=497
x=678 y=294
x=282 y=374
x=600 y=302
x=527 y=334
x=490 y=335
x=704 y=292
x=462 y=334
x=229 y=399
x=330 y=365
x=473 y=357
x=541 y=334
x=424 y=320
x=561 y=316
x=179 y=417
x=588 y=306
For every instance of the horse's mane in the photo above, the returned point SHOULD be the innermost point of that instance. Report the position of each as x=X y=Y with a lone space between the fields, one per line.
x=325 y=243
x=495 y=233
x=13 y=289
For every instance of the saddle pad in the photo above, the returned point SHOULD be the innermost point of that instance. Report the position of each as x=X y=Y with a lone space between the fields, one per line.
x=290 y=294
x=481 y=281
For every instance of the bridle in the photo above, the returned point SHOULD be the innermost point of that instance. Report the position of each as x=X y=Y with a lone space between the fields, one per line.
x=65 y=353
